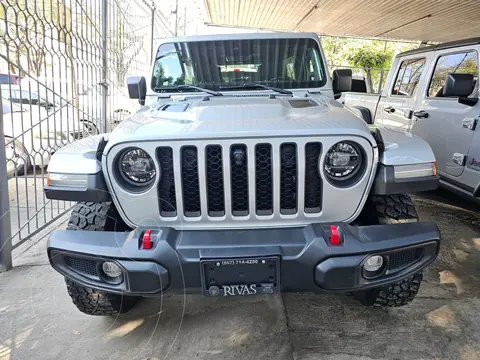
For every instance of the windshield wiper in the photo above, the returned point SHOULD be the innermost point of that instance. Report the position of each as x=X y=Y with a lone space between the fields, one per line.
x=192 y=87
x=256 y=85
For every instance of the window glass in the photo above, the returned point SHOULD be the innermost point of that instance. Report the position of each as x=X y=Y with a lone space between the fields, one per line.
x=285 y=63
x=459 y=63
x=6 y=94
x=408 y=77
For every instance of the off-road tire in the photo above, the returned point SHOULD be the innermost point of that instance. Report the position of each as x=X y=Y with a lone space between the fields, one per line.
x=398 y=294
x=97 y=217
x=95 y=302
x=390 y=209
x=92 y=216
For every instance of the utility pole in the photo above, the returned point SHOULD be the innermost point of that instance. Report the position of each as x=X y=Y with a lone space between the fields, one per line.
x=5 y=227
x=104 y=37
x=152 y=38
x=176 y=17
x=185 y=22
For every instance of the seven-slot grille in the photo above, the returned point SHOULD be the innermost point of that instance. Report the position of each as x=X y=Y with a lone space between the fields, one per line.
x=239 y=179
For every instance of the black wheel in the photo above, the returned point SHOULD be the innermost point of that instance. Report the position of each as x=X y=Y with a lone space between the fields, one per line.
x=398 y=294
x=90 y=127
x=97 y=217
x=16 y=157
x=96 y=302
x=390 y=209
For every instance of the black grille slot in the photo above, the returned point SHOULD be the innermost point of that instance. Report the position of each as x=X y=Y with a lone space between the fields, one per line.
x=215 y=190
x=83 y=266
x=313 y=181
x=288 y=178
x=190 y=186
x=403 y=258
x=263 y=179
x=166 y=186
x=239 y=179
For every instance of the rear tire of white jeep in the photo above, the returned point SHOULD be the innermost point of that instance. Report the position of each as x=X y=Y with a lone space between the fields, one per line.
x=390 y=209
x=97 y=217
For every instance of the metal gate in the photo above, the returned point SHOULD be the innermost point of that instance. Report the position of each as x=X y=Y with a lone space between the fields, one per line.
x=63 y=66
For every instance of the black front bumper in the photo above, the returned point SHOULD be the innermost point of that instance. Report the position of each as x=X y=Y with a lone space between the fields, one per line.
x=308 y=262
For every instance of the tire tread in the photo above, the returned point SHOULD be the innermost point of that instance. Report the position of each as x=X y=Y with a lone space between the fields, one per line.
x=92 y=216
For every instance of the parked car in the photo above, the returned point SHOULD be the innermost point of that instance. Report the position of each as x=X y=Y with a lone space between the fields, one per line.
x=34 y=132
x=432 y=92
x=9 y=79
x=226 y=187
x=53 y=103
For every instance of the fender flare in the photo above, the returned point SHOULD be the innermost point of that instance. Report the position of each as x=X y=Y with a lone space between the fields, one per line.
x=364 y=113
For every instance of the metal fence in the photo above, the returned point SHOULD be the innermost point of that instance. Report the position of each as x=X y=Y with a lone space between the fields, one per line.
x=63 y=67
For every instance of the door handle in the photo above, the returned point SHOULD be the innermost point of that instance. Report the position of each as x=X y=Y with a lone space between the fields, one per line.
x=469 y=123
x=389 y=109
x=420 y=114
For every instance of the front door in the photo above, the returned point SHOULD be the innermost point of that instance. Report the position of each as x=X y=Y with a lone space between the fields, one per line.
x=444 y=123
x=397 y=109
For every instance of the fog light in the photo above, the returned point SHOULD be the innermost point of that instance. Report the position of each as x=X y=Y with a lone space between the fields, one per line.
x=111 y=269
x=373 y=263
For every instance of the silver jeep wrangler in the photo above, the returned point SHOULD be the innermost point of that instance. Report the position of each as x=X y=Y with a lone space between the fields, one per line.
x=241 y=175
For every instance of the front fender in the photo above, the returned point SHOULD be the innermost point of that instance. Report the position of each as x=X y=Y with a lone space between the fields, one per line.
x=404 y=148
x=406 y=164
x=78 y=157
x=75 y=173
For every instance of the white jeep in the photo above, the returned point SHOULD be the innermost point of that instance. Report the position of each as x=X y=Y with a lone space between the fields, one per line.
x=241 y=175
x=432 y=92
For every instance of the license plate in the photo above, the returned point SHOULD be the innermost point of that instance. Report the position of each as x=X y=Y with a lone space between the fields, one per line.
x=240 y=277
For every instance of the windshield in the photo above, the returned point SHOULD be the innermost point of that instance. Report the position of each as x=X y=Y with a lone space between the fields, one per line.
x=283 y=63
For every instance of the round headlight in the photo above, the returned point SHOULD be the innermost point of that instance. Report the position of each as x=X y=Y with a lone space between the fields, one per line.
x=343 y=161
x=137 y=167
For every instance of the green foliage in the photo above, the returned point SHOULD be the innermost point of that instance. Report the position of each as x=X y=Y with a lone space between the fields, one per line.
x=161 y=79
x=26 y=28
x=367 y=58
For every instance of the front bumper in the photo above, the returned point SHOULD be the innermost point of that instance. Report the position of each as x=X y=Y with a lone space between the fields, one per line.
x=308 y=262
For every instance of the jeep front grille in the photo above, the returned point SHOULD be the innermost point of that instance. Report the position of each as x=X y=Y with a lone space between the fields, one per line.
x=239 y=180
x=166 y=186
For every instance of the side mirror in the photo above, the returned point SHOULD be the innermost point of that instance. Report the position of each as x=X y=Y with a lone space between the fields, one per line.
x=458 y=85
x=137 y=88
x=342 y=81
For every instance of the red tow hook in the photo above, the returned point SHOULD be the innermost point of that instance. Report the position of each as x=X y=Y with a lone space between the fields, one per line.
x=147 y=240
x=334 y=236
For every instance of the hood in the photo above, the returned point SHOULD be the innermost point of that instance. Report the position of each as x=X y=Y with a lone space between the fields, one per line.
x=230 y=117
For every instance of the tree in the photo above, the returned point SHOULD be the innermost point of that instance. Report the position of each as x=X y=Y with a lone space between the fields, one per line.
x=339 y=51
x=369 y=59
x=25 y=32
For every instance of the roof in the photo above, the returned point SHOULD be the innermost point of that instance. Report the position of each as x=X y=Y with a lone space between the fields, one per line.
x=445 y=45
x=243 y=36
x=419 y=20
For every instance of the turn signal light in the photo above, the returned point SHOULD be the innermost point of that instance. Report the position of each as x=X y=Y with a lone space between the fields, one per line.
x=334 y=236
x=147 y=240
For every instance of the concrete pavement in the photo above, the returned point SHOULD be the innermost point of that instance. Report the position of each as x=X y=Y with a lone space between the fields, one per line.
x=38 y=320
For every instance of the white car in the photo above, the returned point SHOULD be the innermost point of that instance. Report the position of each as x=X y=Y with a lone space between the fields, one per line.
x=34 y=132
